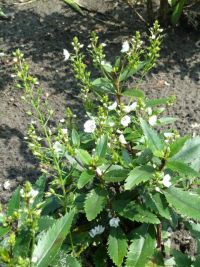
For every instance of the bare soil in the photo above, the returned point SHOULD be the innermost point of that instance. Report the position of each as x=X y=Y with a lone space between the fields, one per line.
x=42 y=29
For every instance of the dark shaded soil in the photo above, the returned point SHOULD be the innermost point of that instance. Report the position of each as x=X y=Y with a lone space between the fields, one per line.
x=42 y=29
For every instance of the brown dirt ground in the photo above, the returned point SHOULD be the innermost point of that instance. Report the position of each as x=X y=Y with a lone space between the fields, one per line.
x=42 y=29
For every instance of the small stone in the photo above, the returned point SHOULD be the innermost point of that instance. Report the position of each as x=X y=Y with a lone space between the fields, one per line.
x=7 y=185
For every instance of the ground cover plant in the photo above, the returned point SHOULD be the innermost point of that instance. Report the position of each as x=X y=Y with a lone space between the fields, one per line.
x=112 y=188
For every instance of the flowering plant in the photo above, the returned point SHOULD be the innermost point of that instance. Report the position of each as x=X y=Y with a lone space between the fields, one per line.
x=114 y=185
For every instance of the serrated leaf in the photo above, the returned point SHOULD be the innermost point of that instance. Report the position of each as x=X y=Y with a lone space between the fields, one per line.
x=117 y=175
x=185 y=203
x=154 y=142
x=131 y=70
x=157 y=101
x=85 y=178
x=181 y=259
x=39 y=185
x=64 y=260
x=141 y=248
x=158 y=204
x=182 y=168
x=14 y=202
x=190 y=151
x=197 y=262
x=72 y=262
x=45 y=222
x=51 y=241
x=176 y=146
x=117 y=246
x=75 y=138
x=101 y=147
x=134 y=212
x=102 y=86
x=138 y=175
x=83 y=156
x=166 y=120
x=134 y=93
x=95 y=203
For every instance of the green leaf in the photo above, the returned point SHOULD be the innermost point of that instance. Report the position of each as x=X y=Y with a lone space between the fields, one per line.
x=117 y=175
x=131 y=70
x=14 y=202
x=64 y=260
x=134 y=212
x=182 y=168
x=153 y=140
x=181 y=259
x=190 y=151
x=166 y=120
x=72 y=262
x=157 y=102
x=75 y=138
x=176 y=146
x=85 y=178
x=117 y=246
x=74 y=5
x=51 y=241
x=3 y=231
x=177 y=11
x=158 y=204
x=141 y=248
x=197 y=262
x=102 y=86
x=95 y=203
x=138 y=175
x=185 y=203
x=83 y=156
x=39 y=185
x=45 y=222
x=134 y=93
x=101 y=147
x=100 y=257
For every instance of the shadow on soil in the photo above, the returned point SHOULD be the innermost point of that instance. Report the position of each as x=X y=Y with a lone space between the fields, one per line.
x=43 y=38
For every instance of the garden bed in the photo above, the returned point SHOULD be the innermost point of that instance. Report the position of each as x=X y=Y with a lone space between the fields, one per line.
x=42 y=29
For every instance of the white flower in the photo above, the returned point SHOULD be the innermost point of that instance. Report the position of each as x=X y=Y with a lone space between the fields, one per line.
x=89 y=126
x=152 y=120
x=99 y=171
x=62 y=120
x=66 y=54
x=125 y=47
x=157 y=189
x=64 y=131
x=122 y=139
x=103 y=44
x=114 y=222
x=113 y=106
x=130 y=108
x=58 y=148
x=6 y=185
x=195 y=125
x=168 y=135
x=166 y=180
x=97 y=230
x=33 y=193
x=34 y=259
x=149 y=111
x=125 y=121
x=111 y=124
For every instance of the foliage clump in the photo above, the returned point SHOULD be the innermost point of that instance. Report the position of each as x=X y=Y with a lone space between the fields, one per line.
x=109 y=192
